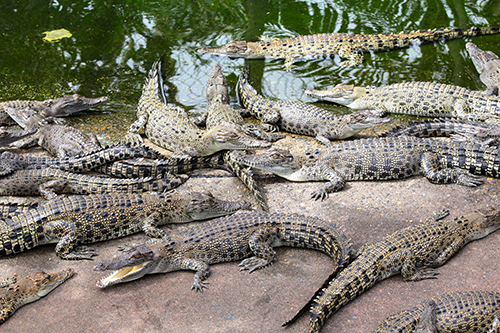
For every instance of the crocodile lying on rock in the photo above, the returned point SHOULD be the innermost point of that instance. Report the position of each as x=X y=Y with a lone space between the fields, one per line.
x=29 y=289
x=49 y=182
x=227 y=239
x=169 y=127
x=425 y=99
x=82 y=219
x=348 y=46
x=31 y=113
x=457 y=312
x=303 y=118
x=219 y=110
x=440 y=160
x=412 y=252
x=487 y=64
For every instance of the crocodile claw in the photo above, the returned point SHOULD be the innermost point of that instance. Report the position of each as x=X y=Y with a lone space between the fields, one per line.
x=470 y=180
x=80 y=253
x=199 y=285
x=133 y=138
x=319 y=195
x=253 y=263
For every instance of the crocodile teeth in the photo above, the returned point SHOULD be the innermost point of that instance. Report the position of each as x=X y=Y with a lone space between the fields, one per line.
x=118 y=275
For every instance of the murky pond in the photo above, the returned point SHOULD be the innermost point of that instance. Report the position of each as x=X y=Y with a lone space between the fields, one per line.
x=114 y=44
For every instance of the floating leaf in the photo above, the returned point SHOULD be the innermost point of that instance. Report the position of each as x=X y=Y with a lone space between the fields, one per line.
x=56 y=35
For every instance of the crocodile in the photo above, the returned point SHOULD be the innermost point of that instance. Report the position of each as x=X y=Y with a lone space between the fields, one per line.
x=81 y=219
x=413 y=252
x=302 y=118
x=227 y=239
x=59 y=140
x=49 y=182
x=9 y=136
x=29 y=289
x=425 y=99
x=460 y=130
x=11 y=206
x=169 y=127
x=440 y=160
x=345 y=45
x=220 y=111
x=31 y=113
x=10 y=162
x=487 y=64
x=457 y=312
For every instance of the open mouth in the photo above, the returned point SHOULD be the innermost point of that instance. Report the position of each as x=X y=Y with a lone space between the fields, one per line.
x=122 y=275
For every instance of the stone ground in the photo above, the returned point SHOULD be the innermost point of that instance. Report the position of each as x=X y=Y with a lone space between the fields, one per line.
x=237 y=301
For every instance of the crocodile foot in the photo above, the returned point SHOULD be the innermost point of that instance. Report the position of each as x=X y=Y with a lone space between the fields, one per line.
x=133 y=139
x=199 y=285
x=253 y=263
x=80 y=253
x=468 y=179
x=319 y=195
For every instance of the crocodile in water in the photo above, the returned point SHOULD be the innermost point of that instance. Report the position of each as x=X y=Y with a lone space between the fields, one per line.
x=412 y=252
x=425 y=99
x=168 y=126
x=31 y=113
x=457 y=312
x=227 y=239
x=302 y=118
x=81 y=219
x=487 y=64
x=348 y=46
x=440 y=160
x=29 y=289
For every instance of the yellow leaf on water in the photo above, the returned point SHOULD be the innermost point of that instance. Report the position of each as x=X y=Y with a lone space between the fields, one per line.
x=56 y=35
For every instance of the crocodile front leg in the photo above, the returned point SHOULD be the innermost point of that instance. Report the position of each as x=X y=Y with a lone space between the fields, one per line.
x=353 y=57
x=50 y=189
x=432 y=171
x=133 y=135
x=150 y=226
x=201 y=119
x=259 y=243
x=269 y=119
x=335 y=184
x=69 y=238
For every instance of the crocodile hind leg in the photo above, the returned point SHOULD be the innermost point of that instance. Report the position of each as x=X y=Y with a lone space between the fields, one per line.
x=69 y=238
x=353 y=57
x=259 y=243
x=150 y=226
x=133 y=135
x=433 y=172
x=49 y=189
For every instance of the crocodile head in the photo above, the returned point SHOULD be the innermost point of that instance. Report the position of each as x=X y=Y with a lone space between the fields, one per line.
x=427 y=321
x=217 y=89
x=68 y=104
x=343 y=94
x=136 y=261
x=278 y=161
x=203 y=205
x=40 y=283
x=364 y=119
x=232 y=136
x=480 y=57
x=236 y=49
x=483 y=222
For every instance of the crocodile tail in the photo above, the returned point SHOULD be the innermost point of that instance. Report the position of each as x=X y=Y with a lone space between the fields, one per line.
x=453 y=33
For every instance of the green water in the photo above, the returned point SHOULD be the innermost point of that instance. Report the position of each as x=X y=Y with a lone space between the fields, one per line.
x=114 y=44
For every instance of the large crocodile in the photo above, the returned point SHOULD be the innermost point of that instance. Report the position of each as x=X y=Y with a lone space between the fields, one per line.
x=220 y=111
x=81 y=219
x=425 y=99
x=302 y=118
x=29 y=289
x=457 y=312
x=31 y=113
x=227 y=239
x=168 y=126
x=348 y=46
x=440 y=160
x=487 y=64
x=49 y=182
x=412 y=252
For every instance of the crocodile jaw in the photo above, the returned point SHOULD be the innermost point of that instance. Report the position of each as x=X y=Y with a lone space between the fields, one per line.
x=126 y=274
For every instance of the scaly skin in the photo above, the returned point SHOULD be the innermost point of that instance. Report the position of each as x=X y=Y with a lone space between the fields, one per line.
x=81 y=219
x=425 y=99
x=31 y=113
x=49 y=182
x=487 y=64
x=348 y=46
x=219 y=110
x=302 y=118
x=227 y=239
x=455 y=312
x=61 y=141
x=412 y=252
x=13 y=206
x=169 y=127
x=441 y=161
x=29 y=289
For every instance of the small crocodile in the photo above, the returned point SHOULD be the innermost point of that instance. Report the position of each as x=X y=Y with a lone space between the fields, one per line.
x=347 y=46
x=460 y=130
x=457 y=312
x=49 y=182
x=168 y=126
x=302 y=118
x=59 y=140
x=220 y=111
x=487 y=64
x=81 y=219
x=227 y=239
x=425 y=99
x=413 y=252
x=29 y=289
x=440 y=160
x=31 y=113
